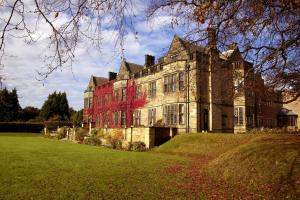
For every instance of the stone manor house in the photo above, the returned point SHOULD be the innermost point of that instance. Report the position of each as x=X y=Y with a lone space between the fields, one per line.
x=190 y=89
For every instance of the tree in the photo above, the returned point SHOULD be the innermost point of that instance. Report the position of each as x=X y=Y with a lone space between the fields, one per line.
x=77 y=118
x=267 y=32
x=56 y=107
x=9 y=105
x=70 y=22
x=72 y=111
x=28 y=113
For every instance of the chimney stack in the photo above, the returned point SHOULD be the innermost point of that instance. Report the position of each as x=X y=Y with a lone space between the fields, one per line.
x=112 y=76
x=212 y=37
x=149 y=60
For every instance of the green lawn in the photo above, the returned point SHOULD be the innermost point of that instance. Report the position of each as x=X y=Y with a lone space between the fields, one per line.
x=194 y=166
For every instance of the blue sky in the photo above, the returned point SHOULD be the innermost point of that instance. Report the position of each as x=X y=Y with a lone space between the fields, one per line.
x=23 y=60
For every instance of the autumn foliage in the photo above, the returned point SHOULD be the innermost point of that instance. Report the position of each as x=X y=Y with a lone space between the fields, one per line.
x=108 y=103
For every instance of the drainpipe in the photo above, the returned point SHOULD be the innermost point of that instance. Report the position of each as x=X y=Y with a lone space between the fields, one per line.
x=210 y=90
x=188 y=98
x=131 y=127
x=198 y=77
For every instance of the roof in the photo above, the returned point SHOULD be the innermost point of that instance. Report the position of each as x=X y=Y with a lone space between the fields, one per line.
x=99 y=80
x=190 y=46
x=286 y=112
x=228 y=53
x=133 y=68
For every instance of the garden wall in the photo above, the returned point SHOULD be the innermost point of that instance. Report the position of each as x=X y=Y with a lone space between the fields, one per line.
x=136 y=134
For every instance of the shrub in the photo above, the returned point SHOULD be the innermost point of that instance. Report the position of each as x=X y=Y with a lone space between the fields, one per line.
x=94 y=131
x=93 y=140
x=101 y=133
x=115 y=139
x=117 y=134
x=118 y=144
x=21 y=127
x=137 y=146
x=80 y=133
x=61 y=133
x=114 y=143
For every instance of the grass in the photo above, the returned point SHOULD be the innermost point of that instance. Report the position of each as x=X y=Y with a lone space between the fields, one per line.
x=204 y=144
x=34 y=167
x=252 y=165
x=194 y=166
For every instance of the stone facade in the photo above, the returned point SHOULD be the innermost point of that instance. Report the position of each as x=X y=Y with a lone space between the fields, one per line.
x=191 y=88
x=135 y=134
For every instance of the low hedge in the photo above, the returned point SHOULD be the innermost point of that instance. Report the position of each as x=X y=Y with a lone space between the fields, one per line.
x=21 y=127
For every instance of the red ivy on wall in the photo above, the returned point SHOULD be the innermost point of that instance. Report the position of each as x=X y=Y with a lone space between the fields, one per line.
x=107 y=102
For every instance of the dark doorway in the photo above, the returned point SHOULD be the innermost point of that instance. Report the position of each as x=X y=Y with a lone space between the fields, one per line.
x=162 y=135
x=205 y=120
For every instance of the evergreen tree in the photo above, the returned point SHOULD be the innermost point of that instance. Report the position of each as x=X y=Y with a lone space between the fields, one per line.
x=9 y=105
x=56 y=107
x=14 y=105
x=77 y=118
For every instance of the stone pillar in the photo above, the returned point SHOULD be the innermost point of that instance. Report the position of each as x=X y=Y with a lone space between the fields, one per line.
x=68 y=133
x=74 y=134
x=90 y=128
x=131 y=131
x=171 y=132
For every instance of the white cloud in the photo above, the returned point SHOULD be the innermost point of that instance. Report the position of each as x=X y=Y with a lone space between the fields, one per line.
x=155 y=23
x=20 y=70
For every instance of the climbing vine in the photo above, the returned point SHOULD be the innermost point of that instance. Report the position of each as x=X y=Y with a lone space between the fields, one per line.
x=110 y=102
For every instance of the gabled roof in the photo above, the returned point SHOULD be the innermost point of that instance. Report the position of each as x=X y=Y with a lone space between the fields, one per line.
x=128 y=68
x=133 y=68
x=98 y=80
x=190 y=46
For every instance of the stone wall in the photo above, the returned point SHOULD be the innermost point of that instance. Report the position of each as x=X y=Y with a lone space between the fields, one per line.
x=135 y=134
x=295 y=107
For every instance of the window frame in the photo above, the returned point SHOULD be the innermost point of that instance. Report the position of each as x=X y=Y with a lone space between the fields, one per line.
x=123 y=118
x=170 y=113
x=152 y=89
x=123 y=94
x=137 y=118
x=151 y=116
x=181 y=114
x=239 y=116
x=170 y=83
x=181 y=81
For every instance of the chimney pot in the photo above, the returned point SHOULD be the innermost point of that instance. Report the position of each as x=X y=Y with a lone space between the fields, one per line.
x=112 y=76
x=149 y=60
